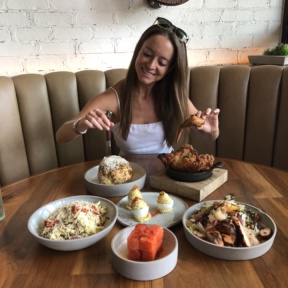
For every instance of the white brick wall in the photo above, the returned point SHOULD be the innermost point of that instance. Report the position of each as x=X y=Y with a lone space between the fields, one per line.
x=40 y=36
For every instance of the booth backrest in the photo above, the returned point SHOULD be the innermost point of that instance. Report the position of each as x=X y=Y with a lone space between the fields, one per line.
x=254 y=112
x=33 y=107
x=253 y=119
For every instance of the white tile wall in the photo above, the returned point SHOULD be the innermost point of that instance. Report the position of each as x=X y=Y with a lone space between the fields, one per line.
x=40 y=36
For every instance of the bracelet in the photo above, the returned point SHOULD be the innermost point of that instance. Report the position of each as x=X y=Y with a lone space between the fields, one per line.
x=75 y=127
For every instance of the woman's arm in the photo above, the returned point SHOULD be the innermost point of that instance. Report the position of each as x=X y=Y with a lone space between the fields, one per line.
x=93 y=115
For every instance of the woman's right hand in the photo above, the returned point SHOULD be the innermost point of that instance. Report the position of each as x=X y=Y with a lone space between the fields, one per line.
x=95 y=119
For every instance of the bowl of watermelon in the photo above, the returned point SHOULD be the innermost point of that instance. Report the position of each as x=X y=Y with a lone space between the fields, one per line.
x=144 y=252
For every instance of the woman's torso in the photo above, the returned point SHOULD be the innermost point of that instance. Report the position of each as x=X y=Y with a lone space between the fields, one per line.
x=142 y=139
x=148 y=138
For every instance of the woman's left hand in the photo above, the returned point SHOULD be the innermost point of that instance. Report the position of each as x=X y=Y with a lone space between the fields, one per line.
x=211 y=125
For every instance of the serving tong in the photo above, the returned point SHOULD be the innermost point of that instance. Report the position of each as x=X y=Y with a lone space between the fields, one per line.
x=108 y=136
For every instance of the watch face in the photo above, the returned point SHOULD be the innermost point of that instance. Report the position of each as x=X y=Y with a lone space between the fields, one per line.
x=172 y=2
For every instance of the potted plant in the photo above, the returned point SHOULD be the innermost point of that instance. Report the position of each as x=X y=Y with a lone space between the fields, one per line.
x=275 y=56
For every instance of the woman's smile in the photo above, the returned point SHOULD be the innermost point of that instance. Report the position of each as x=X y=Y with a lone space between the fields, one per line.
x=148 y=73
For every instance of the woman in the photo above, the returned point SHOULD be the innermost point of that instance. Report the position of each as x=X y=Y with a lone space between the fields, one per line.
x=148 y=106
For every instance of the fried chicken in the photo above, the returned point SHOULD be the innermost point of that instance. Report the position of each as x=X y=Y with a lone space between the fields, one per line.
x=187 y=159
x=193 y=120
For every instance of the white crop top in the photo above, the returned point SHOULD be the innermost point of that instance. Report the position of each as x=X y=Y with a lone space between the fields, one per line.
x=142 y=138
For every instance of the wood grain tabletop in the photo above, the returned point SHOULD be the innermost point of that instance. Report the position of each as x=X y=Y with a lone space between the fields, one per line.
x=26 y=263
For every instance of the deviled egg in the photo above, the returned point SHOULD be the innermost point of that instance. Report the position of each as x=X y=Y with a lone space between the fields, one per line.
x=140 y=210
x=133 y=193
x=164 y=202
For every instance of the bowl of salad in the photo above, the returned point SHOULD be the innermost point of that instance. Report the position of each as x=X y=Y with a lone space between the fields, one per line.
x=73 y=223
x=229 y=230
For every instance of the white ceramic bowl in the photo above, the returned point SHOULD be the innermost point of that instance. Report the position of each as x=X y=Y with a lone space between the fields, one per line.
x=229 y=253
x=94 y=187
x=140 y=270
x=38 y=217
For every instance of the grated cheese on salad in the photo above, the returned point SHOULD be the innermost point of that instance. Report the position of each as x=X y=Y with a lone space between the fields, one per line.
x=76 y=220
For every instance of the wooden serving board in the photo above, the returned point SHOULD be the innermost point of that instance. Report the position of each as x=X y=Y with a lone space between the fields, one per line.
x=192 y=190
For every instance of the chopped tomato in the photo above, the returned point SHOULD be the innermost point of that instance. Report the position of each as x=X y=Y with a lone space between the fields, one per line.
x=50 y=223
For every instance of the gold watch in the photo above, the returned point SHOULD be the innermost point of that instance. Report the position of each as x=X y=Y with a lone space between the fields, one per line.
x=75 y=127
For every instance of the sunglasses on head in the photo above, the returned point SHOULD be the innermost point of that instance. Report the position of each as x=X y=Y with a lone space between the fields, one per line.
x=167 y=25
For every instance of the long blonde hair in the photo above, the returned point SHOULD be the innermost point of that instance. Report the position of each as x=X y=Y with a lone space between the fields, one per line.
x=170 y=93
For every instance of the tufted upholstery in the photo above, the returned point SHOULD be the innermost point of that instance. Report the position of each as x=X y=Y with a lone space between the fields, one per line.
x=254 y=112
x=253 y=118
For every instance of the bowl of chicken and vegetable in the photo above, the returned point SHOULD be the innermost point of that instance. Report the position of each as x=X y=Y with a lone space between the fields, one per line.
x=229 y=230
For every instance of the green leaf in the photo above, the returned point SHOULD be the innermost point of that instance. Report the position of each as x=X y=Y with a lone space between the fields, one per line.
x=280 y=50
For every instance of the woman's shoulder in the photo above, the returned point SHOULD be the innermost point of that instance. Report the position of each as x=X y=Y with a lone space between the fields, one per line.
x=110 y=91
x=119 y=86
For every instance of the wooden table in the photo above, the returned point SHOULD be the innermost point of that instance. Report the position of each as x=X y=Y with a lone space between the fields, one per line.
x=26 y=263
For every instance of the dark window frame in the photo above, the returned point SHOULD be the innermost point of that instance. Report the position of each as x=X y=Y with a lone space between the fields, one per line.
x=284 y=37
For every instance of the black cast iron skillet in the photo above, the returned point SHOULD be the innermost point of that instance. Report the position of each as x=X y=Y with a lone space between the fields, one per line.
x=192 y=177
